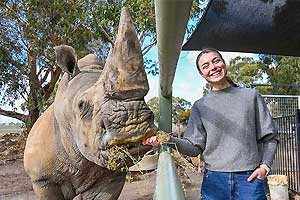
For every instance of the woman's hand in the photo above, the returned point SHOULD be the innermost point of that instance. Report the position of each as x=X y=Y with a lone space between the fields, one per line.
x=259 y=173
x=160 y=138
x=151 y=141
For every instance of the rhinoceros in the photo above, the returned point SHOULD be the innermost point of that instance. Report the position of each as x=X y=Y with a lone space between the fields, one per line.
x=94 y=109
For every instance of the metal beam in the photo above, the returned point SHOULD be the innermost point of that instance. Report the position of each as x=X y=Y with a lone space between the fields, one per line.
x=167 y=187
x=165 y=112
x=276 y=85
x=171 y=21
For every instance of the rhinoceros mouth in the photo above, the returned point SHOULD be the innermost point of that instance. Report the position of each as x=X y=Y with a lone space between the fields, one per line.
x=135 y=139
x=123 y=153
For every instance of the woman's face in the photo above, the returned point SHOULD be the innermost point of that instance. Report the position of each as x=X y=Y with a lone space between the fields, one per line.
x=212 y=67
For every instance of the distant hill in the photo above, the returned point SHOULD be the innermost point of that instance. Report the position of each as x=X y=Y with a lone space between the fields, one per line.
x=11 y=127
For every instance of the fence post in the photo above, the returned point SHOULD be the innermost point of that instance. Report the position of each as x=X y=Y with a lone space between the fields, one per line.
x=168 y=185
x=298 y=141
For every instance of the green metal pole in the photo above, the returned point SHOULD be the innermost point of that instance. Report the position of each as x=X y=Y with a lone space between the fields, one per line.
x=165 y=115
x=165 y=112
x=168 y=185
x=171 y=20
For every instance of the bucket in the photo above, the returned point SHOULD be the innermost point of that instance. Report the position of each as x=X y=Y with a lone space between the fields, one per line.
x=149 y=162
x=278 y=185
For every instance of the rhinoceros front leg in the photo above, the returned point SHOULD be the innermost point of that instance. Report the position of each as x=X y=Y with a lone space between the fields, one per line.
x=49 y=192
x=109 y=188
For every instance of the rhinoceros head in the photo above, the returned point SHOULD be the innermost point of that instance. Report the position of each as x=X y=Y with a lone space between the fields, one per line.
x=97 y=108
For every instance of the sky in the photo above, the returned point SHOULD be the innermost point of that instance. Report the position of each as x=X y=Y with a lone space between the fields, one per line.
x=187 y=84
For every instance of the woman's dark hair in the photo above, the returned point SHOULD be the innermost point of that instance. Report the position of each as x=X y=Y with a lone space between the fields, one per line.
x=207 y=50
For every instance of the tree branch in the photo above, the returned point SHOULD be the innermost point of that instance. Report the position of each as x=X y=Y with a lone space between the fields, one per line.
x=16 y=15
x=48 y=89
x=33 y=78
x=142 y=38
x=148 y=47
x=10 y=59
x=44 y=78
x=22 y=95
x=13 y=114
x=107 y=37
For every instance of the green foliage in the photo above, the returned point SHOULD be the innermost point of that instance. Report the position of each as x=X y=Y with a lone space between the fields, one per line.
x=180 y=109
x=206 y=89
x=282 y=70
x=245 y=71
x=179 y=105
x=184 y=116
x=154 y=106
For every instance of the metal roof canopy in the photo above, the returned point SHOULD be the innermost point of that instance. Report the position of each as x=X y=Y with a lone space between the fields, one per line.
x=257 y=26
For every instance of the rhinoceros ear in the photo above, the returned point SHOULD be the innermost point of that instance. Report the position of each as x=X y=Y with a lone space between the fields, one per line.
x=125 y=73
x=66 y=59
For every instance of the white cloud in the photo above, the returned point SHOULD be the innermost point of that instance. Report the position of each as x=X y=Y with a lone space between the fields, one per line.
x=184 y=86
x=153 y=87
x=192 y=55
x=4 y=119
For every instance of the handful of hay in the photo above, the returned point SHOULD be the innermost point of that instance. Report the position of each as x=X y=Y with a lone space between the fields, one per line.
x=118 y=155
x=162 y=137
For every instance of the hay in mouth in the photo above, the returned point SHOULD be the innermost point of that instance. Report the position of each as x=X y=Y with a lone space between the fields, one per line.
x=121 y=141
x=117 y=157
x=122 y=150
x=120 y=155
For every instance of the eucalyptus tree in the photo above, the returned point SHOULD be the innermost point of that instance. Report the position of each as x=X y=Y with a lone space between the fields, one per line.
x=282 y=70
x=31 y=28
x=180 y=109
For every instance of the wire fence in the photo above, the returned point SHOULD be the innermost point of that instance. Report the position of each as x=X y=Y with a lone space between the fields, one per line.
x=282 y=105
x=286 y=113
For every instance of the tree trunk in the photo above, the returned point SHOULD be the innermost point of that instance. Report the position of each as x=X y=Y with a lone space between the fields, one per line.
x=32 y=117
x=34 y=97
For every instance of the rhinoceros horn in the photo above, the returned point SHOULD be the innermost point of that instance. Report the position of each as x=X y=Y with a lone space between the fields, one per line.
x=125 y=77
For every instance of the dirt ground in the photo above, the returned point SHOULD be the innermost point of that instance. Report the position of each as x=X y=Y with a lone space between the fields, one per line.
x=15 y=184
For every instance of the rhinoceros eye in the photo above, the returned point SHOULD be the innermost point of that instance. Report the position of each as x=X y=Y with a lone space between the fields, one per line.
x=85 y=109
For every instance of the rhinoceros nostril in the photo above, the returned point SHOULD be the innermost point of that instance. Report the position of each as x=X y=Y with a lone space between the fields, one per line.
x=81 y=104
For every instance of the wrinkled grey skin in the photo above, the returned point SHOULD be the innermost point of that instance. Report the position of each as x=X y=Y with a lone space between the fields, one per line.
x=66 y=150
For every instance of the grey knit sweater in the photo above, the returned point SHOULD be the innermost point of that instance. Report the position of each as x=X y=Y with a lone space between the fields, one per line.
x=233 y=130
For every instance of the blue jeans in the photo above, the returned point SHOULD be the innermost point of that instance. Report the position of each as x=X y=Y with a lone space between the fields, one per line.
x=231 y=186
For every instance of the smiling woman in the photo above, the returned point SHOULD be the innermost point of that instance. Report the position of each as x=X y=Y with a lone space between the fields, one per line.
x=232 y=129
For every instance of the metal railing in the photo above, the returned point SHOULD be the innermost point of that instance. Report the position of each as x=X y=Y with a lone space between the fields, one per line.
x=286 y=160
x=282 y=105
x=286 y=113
